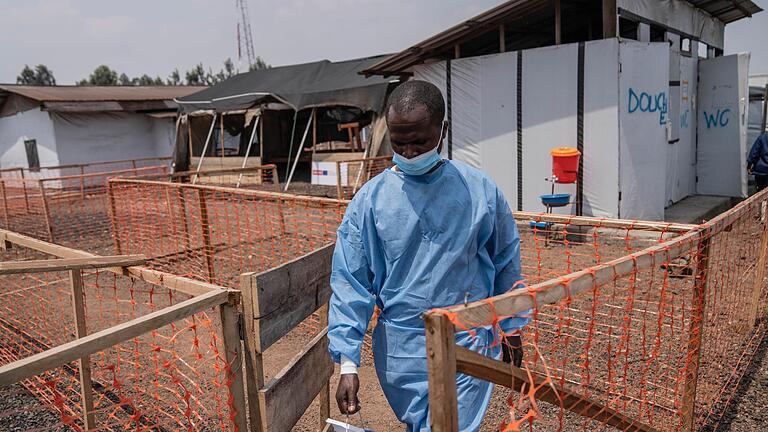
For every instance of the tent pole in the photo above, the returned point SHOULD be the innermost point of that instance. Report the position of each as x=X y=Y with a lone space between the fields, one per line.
x=360 y=172
x=221 y=138
x=248 y=151
x=290 y=144
x=205 y=148
x=765 y=110
x=301 y=148
x=176 y=143
x=189 y=138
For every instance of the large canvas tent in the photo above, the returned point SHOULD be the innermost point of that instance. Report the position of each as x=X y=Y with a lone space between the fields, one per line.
x=270 y=112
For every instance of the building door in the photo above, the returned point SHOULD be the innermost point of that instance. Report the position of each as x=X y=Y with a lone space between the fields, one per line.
x=722 y=126
x=33 y=160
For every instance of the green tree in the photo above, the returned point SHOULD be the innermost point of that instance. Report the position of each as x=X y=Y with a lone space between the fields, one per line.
x=174 y=78
x=123 y=80
x=197 y=75
x=144 y=80
x=102 y=76
x=259 y=64
x=41 y=75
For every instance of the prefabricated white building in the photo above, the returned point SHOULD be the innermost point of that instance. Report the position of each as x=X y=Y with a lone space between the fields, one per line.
x=59 y=125
x=654 y=121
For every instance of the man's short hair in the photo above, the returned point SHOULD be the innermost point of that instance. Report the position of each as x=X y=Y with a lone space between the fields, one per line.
x=409 y=95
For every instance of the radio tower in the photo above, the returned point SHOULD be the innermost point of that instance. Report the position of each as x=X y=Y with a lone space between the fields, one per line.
x=244 y=35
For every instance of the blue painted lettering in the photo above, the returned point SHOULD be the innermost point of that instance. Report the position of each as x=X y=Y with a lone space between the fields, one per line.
x=646 y=102
x=717 y=119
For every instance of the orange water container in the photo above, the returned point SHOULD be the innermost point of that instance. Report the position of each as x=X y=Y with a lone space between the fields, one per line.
x=565 y=164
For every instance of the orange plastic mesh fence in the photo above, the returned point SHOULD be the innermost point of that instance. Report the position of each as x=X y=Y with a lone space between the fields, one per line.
x=660 y=336
x=215 y=234
x=79 y=169
x=261 y=177
x=172 y=378
x=351 y=175
x=70 y=210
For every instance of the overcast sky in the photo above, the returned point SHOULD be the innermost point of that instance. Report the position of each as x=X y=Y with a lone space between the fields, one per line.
x=72 y=37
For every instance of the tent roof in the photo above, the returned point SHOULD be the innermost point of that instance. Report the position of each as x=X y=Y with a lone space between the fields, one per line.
x=301 y=86
x=18 y=98
x=525 y=19
x=99 y=93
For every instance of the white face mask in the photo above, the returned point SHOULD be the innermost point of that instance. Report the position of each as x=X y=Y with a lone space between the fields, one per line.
x=422 y=163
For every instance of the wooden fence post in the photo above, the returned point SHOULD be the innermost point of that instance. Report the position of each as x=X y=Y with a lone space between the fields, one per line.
x=339 y=189
x=762 y=261
x=696 y=333
x=441 y=366
x=325 y=393
x=82 y=182
x=113 y=216
x=183 y=215
x=254 y=366
x=24 y=188
x=5 y=206
x=46 y=211
x=275 y=179
x=206 y=230
x=86 y=389
x=230 y=328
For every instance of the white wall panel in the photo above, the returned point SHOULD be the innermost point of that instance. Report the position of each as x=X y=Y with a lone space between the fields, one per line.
x=434 y=73
x=466 y=84
x=32 y=124
x=721 y=167
x=498 y=147
x=601 y=128
x=549 y=118
x=643 y=110
x=83 y=138
x=164 y=134
x=685 y=148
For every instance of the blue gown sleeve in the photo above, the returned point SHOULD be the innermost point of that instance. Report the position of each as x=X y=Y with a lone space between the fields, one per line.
x=754 y=152
x=505 y=250
x=352 y=301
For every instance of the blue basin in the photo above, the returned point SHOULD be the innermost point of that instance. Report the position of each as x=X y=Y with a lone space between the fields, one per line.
x=556 y=200
x=540 y=225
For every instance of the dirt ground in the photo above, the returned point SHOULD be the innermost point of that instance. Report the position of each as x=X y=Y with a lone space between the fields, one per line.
x=748 y=411
x=544 y=256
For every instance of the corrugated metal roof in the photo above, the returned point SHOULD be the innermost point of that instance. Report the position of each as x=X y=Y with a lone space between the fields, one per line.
x=100 y=93
x=399 y=62
x=727 y=11
x=513 y=10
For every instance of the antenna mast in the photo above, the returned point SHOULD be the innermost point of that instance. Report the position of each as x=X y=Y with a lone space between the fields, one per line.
x=244 y=34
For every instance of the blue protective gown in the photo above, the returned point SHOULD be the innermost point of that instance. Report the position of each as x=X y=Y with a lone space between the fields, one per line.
x=409 y=244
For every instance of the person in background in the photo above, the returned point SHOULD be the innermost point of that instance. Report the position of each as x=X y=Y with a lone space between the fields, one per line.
x=757 y=161
x=428 y=233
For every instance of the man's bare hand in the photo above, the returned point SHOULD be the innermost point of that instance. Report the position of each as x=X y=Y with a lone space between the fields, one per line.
x=346 y=394
x=512 y=350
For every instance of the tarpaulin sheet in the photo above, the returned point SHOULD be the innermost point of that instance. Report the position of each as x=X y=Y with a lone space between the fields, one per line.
x=308 y=85
x=550 y=80
x=643 y=110
x=722 y=127
x=601 y=128
x=679 y=15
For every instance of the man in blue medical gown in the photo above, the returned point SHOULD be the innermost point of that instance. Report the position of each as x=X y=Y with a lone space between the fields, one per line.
x=428 y=233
